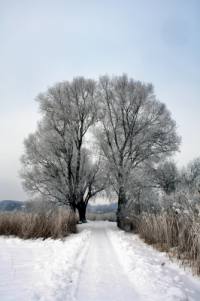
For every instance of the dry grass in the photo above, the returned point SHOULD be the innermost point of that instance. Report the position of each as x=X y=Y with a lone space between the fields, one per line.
x=178 y=234
x=55 y=224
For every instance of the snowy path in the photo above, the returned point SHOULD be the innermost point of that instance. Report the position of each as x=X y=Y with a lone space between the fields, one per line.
x=100 y=263
x=119 y=266
x=102 y=276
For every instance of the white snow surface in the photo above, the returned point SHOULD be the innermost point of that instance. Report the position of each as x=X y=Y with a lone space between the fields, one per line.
x=41 y=270
x=100 y=263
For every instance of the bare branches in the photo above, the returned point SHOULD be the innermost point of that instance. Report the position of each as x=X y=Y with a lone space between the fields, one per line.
x=55 y=160
x=136 y=127
x=133 y=127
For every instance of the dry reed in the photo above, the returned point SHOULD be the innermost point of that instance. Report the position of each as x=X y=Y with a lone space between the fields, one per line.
x=178 y=234
x=55 y=224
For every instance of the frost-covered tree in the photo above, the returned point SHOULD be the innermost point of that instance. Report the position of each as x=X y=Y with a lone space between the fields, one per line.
x=142 y=194
x=56 y=162
x=135 y=127
x=190 y=176
x=165 y=176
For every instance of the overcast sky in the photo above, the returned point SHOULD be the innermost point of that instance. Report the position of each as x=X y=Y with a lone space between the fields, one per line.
x=44 y=41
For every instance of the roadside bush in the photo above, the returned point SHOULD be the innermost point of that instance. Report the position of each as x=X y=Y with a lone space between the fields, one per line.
x=176 y=233
x=55 y=224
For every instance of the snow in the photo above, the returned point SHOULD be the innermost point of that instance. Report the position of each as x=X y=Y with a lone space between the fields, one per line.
x=152 y=274
x=102 y=277
x=40 y=270
x=100 y=263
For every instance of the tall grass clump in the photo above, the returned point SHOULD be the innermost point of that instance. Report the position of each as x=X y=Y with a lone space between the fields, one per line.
x=178 y=234
x=174 y=229
x=31 y=225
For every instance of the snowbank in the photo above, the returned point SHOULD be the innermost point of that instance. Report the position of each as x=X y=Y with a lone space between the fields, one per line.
x=41 y=270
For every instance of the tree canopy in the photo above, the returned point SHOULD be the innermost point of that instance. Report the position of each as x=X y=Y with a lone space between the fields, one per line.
x=130 y=126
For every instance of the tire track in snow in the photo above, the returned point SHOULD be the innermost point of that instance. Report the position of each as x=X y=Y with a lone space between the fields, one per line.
x=102 y=277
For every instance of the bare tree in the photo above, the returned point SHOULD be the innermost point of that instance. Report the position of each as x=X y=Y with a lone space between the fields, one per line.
x=96 y=179
x=56 y=162
x=135 y=127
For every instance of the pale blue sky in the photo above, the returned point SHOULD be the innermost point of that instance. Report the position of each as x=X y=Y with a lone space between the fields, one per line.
x=44 y=41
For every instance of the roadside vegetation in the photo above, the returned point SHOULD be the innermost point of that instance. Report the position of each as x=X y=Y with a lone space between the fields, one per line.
x=56 y=223
x=167 y=215
x=178 y=234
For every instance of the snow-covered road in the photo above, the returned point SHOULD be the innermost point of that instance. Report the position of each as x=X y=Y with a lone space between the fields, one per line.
x=119 y=266
x=100 y=263
x=102 y=277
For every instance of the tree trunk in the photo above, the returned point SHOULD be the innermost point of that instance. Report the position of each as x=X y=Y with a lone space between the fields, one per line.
x=72 y=206
x=81 y=206
x=121 y=207
x=72 y=202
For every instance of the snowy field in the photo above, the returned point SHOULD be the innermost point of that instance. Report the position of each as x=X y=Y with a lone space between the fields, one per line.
x=100 y=263
x=40 y=270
